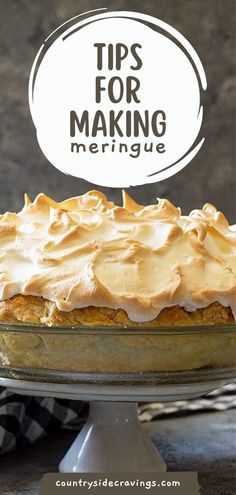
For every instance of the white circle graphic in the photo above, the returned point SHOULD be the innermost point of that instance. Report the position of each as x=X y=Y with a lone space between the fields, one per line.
x=115 y=98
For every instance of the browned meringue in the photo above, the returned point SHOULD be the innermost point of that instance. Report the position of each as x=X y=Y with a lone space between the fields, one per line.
x=86 y=251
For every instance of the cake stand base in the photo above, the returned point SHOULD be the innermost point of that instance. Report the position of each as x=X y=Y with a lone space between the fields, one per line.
x=112 y=441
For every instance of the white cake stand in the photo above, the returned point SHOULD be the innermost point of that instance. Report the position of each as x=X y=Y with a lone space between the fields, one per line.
x=112 y=440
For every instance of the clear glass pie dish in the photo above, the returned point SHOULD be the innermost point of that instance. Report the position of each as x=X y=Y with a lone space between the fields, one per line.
x=113 y=369
x=106 y=350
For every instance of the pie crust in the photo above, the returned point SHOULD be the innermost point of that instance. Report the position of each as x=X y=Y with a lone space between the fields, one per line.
x=152 y=347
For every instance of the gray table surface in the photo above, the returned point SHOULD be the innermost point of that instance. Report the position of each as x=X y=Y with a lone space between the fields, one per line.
x=204 y=442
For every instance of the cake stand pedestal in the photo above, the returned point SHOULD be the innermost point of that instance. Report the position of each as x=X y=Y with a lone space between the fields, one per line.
x=112 y=440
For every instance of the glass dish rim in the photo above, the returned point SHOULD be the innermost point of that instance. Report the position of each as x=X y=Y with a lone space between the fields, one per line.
x=139 y=378
x=119 y=330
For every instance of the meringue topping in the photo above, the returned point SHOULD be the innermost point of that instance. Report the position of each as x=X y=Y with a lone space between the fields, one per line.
x=87 y=251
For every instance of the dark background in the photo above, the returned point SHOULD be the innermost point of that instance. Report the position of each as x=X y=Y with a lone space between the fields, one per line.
x=208 y=24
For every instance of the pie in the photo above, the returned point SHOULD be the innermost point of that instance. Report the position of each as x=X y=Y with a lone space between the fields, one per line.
x=138 y=271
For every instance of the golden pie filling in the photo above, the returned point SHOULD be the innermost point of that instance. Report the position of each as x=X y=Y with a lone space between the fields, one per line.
x=86 y=262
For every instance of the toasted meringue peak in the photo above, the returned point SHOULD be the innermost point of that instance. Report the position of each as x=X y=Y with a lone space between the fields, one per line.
x=87 y=251
x=27 y=200
x=129 y=204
